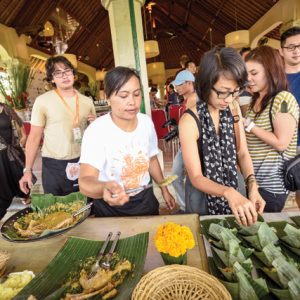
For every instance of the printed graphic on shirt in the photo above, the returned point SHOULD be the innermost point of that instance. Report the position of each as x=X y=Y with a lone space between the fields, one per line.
x=131 y=166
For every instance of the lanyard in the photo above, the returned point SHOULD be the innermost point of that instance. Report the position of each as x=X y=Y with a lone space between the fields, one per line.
x=76 y=115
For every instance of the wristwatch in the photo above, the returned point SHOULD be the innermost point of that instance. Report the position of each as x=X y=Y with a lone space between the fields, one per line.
x=26 y=170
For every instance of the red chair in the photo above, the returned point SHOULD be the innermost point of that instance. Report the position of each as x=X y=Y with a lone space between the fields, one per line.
x=159 y=118
x=174 y=112
x=27 y=127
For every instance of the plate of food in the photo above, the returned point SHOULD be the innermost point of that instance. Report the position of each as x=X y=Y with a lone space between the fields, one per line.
x=48 y=216
x=66 y=276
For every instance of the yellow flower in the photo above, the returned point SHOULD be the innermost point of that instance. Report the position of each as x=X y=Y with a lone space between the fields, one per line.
x=173 y=239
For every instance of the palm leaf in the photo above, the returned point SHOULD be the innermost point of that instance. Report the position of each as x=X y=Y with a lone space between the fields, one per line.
x=51 y=279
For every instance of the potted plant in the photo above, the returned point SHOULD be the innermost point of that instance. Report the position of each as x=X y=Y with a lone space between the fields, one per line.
x=15 y=92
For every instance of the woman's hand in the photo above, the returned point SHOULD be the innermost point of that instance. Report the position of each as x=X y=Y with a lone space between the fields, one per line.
x=114 y=194
x=169 y=199
x=91 y=118
x=23 y=140
x=258 y=202
x=243 y=209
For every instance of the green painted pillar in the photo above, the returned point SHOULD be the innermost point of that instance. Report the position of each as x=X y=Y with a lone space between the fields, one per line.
x=127 y=38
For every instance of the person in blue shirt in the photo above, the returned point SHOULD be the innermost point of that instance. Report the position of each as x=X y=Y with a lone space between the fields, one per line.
x=290 y=51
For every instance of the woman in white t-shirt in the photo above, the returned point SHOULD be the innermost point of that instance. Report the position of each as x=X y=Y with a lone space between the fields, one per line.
x=119 y=152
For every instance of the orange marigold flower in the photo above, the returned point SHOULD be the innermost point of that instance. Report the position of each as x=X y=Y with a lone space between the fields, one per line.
x=173 y=239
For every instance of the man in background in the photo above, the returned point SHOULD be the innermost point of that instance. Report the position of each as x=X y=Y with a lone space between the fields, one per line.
x=59 y=116
x=154 y=101
x=191 y=66
x=290 y=51
x=184 y=85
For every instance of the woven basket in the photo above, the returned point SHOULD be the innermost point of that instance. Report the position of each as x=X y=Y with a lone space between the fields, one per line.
x=179 y=282
x=4 y=257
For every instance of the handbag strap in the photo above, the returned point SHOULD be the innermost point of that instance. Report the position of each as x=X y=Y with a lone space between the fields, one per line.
x=191 y=113
x=236 y=128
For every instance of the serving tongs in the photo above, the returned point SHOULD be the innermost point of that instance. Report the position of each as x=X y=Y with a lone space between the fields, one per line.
x=168 y=180
x=96 y=266
x=82 y=209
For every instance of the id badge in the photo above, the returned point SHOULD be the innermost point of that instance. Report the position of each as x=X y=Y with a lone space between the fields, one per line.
x=72 y=171
x=77 y=135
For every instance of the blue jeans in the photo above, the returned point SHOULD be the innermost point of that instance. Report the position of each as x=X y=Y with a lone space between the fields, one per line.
x=178 y=184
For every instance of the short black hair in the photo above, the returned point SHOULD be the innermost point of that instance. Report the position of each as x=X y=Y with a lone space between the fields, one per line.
x=288 y=33
x=188 y=62
x=153 y=89
x=116 y=78
x=216 y=62
x=244 y=49
x=52 y=61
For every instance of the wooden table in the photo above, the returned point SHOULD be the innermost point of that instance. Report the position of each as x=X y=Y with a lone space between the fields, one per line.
x=35 y=256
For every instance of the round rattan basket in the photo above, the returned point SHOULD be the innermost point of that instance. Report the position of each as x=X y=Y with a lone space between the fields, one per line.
x=179 y=282
x=4 y=257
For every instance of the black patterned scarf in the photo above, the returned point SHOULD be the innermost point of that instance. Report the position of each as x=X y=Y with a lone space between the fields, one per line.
x=219 y=155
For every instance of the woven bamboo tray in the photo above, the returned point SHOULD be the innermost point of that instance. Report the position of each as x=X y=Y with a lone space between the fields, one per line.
x=179 y=282
x=4 y=257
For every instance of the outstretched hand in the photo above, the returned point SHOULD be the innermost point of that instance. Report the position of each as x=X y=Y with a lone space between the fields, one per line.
x=243 y=209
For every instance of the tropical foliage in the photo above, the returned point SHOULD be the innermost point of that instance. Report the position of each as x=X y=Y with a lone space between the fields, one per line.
x=19 y=78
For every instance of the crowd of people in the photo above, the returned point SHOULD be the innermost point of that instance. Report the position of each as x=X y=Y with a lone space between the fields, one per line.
x=230 y=160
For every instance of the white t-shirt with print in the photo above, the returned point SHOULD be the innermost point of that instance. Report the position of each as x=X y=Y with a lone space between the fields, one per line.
x=119 y=155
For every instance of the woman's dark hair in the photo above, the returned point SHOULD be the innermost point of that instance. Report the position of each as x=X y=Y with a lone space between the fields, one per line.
x=273 y=65
x=52 y=61
x=216 y=62
x=116 y=78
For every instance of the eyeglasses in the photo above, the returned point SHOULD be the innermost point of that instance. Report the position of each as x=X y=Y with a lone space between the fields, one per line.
x=60 y=74
x=292 y=48
x=224 y=95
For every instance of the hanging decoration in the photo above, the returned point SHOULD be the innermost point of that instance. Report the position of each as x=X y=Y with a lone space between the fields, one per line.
x=238 y=38
x=151 y=46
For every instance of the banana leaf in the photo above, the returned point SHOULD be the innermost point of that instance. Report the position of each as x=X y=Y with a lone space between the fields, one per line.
x=249 y=288
x=264 y=235
x=40 y=204
x=268 y=254
x=292 y=292
x=205 y=224
x=232 y=287
x=285 y=270
x=235 y=253
x=229 y=272
x=41 y=201
x=296 y=220
x=223 y=234
x=51 y=279
x=292 y=236
x=294 y=288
